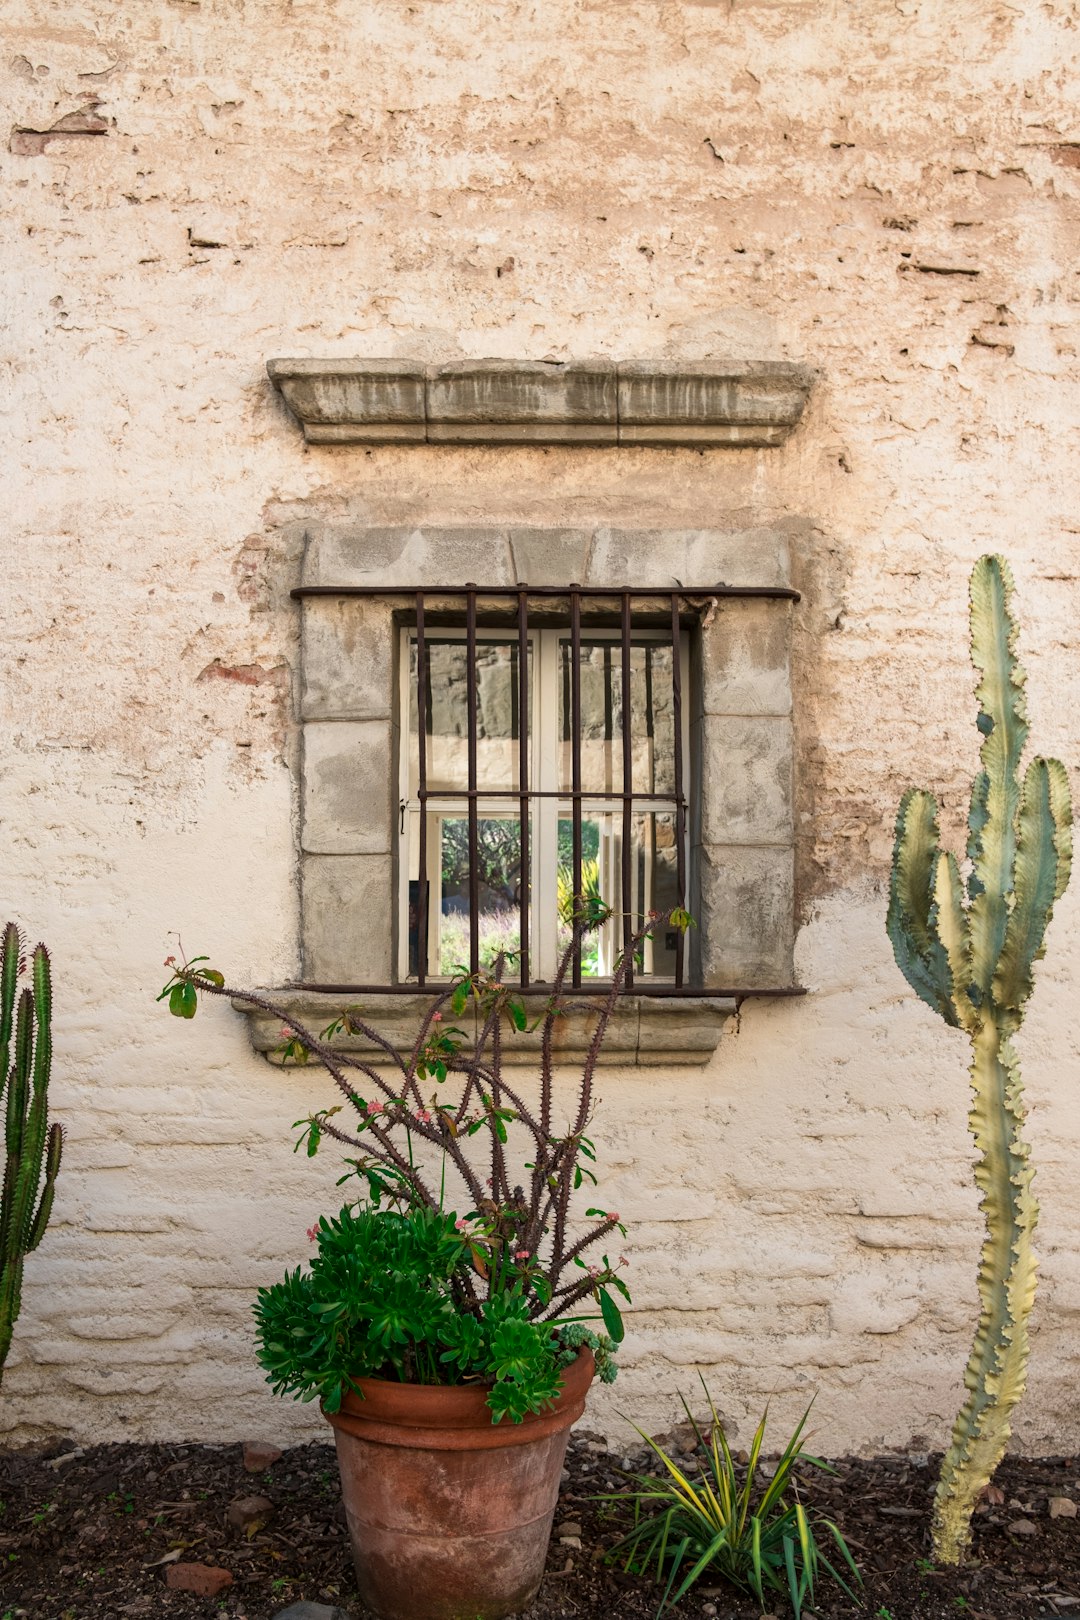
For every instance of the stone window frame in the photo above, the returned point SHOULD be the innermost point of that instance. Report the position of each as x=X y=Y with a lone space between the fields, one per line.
x=741 y=729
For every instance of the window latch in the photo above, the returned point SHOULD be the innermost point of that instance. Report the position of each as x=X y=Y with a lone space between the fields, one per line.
x=402 y=807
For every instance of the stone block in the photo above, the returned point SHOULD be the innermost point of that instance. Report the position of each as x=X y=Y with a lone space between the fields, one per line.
x=691 y=557
x=346 y=788
x=746 y=779
x=347 y=663
x=354 y=401
x=550 y=556
x=501 y=401
x=745 y=907
x=337 y=554
x=746 y=658
x=343 y=897
x=753 y=405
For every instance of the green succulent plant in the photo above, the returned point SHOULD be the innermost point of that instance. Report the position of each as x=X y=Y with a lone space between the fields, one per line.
x=968 y=950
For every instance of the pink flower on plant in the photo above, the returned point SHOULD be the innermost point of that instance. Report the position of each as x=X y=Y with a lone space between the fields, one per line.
x=286 y=1033
x=612 y=1214
x=312 y=1232
x=623 y=1261
x=423 y=1115
x=461 y=1226
x=436 y=1018
x=170 y=961
x=375 y=1107
x=521 y=1254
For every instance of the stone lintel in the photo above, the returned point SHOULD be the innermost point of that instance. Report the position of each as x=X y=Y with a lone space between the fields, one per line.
x=646 y=1031
x=735 y=404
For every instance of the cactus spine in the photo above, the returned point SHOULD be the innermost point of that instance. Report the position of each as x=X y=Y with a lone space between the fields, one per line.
x=968 y=951
x=33 y=1147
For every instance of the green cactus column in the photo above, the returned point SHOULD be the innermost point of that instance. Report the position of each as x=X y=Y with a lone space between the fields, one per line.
x=33 y=1148
x=968 y=951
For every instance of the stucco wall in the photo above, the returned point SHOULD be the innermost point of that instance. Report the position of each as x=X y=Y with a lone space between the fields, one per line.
x=887 y=192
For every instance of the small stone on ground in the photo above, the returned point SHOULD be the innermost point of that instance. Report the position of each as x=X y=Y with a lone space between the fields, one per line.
x=205 y=1580
x=260 y=1454
x=250 y=1513
x=311 y=1611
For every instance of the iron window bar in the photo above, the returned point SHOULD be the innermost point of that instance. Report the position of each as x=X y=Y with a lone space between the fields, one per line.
x=573 y=594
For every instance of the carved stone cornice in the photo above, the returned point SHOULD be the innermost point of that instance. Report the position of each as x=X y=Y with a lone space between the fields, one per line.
x=735 y=405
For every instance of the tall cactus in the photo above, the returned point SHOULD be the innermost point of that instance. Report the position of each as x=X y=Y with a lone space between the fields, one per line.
x=33 y=1146
x=968 y=951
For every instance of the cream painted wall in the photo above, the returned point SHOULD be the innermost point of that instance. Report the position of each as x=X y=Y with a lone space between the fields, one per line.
x=888 y=192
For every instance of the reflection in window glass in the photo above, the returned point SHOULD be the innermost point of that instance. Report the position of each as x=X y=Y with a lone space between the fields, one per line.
x=498 y=698
x=652 y=717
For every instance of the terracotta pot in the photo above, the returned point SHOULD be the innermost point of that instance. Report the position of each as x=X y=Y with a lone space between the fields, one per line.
x=450 y=1514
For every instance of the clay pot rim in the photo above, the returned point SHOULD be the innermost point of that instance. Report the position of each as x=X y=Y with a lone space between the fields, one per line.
x=455 y=1417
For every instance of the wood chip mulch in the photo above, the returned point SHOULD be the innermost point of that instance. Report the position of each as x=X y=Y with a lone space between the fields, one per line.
x=94 y=1532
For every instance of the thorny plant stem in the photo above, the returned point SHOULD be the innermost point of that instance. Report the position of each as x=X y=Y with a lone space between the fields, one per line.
x=513 y=1219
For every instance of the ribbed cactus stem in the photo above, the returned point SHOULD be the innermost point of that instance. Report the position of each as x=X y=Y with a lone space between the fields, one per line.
x=969 y=955
x=33 y=1148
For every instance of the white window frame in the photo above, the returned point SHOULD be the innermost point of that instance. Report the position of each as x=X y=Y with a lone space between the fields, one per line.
x=546 y=813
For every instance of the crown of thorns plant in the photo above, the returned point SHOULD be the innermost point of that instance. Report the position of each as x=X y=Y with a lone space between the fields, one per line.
x=521 y=1221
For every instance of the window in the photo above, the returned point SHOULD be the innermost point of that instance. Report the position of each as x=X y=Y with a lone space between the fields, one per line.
x=710 y=763
x=542 y=758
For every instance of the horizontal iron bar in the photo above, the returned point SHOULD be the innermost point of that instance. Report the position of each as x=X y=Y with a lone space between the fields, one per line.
x=601 y=988
x=542 y=793
x=511 y=592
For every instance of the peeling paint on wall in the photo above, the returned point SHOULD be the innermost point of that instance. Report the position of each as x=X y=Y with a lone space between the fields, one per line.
x=888 y=194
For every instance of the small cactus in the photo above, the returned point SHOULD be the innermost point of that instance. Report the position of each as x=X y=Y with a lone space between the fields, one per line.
x=33 y=1147
x=968 y=951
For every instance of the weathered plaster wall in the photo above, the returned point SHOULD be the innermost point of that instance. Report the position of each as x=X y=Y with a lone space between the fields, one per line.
x=887 y=192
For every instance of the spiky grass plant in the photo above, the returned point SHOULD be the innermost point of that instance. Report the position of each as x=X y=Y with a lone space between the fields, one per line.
x=968 y=950
x=751 y=1531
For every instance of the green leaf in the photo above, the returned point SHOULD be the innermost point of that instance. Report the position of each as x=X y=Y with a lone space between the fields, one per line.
x=517 y=1014
x=612 y=1316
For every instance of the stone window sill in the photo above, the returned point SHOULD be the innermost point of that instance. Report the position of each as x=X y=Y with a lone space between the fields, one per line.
x=650 y=1031
x=734 y=404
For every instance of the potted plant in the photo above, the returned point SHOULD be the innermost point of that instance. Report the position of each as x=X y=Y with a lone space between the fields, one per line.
x=445 y=1343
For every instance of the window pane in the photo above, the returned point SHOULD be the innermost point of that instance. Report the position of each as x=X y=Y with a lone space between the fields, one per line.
x=654 y=887
x=498 y=859
x=652 y=717
x=498 y=698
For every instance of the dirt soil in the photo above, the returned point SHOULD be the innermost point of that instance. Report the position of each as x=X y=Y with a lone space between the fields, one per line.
x=94 y=1533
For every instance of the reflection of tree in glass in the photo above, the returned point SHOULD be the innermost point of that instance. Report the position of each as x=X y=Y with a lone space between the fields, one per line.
x=590 y=841
x=498 y=859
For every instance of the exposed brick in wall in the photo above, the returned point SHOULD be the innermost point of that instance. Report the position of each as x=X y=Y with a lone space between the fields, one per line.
x=890 y=194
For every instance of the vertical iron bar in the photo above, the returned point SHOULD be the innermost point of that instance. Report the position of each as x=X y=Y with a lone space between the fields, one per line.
x=421 y=792
x=575 y=761
x=628 y=789
x=680 y=808
x=470 y=689
x=524 y=872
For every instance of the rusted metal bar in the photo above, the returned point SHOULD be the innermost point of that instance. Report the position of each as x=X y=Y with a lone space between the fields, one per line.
x=537 y=988
x=470 y=695
x=524 y=807
x=575 y=763
x=545 y=793
x=680 y=806
x=421 y=792
x=628 y=789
